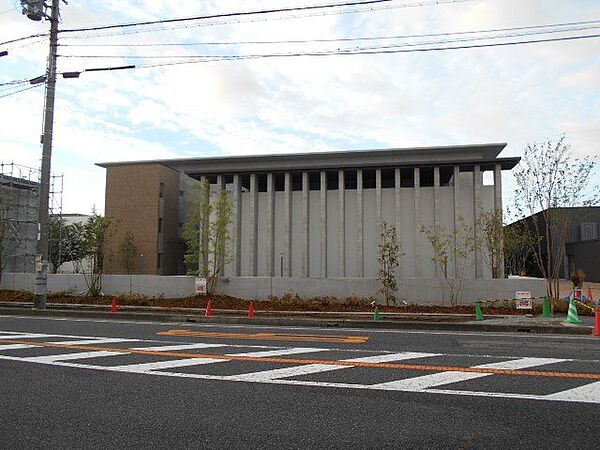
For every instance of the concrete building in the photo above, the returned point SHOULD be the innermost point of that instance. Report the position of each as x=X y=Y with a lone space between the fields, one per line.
x=312 y=215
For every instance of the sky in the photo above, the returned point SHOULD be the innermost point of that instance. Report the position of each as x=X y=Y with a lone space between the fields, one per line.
x=515 y=94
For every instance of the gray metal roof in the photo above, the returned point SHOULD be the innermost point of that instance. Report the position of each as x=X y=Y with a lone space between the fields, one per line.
x=415 y=156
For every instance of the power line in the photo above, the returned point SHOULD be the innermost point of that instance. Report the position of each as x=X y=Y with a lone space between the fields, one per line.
x=354 y=51
x=352 y=39
x=357 y=6
x=20 y=90
x=223 y=15
x=12 y=41
x=372 y=52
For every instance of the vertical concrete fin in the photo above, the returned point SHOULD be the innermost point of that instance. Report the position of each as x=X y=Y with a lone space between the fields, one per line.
x=323 y=218
x=305 y=225
x=360 y=224
x=342 y=224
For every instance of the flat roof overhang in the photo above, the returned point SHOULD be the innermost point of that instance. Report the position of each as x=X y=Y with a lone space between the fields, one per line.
x=464 y=156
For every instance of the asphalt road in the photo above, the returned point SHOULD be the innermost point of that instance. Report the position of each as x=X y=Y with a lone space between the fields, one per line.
x=111 y=384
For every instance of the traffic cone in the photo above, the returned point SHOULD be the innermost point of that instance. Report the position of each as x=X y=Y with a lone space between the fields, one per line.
x=376 y=315
x=478 y=313
x=547 y=309
x=572 y=313
x=251 y=311
x=597 y=323
x=113 y=308
x=208 y=311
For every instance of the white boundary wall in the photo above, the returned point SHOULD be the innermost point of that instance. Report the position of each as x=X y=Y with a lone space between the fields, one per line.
x=423 y=291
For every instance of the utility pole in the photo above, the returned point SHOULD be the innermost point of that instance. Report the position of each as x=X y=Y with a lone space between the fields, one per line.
x=34 y=9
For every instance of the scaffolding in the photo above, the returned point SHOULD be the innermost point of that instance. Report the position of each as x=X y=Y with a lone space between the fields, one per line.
x=19 y=200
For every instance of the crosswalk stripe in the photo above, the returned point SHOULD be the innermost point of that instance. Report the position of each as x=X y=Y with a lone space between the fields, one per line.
x=587 y=393
x=147 y=367
x=521 y=363
x=448 y=377
x=316 y=368
x=15 y=346
x=279 y=352
x=71 y=356
x=390 y=357
x=27 y=336
x=168 y=348
x=97 y=341
x=268 y=375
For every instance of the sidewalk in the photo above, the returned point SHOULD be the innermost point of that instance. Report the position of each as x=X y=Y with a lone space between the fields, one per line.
x=408 y=321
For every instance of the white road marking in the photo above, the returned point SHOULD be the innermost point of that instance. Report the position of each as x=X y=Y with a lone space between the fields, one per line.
x=169 y=348
x=316 y=368
x=521 y=363
x=15 y=346
x=390 y=357
x=27 y=336
x=70 y=356
x=280 y=352
x=448 y=377
x=583 y=394
x=587 y=393
x=147 y=367
x=268 y=375
x=95 y=341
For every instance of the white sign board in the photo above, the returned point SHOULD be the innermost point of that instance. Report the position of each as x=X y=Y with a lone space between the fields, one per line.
x=523 y=299
x=200 y=285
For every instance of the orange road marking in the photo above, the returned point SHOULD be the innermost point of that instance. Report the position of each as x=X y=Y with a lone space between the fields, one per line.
x=270 y=336
x=298 y=361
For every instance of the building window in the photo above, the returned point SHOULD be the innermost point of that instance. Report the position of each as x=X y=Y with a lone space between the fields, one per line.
x=159 y=261
x=350 y=177
x=426 y=176
x=181 y=193
x=588 y=231
x=388 y=178
x=161 y=190
x=160 y=225
x=407 y=177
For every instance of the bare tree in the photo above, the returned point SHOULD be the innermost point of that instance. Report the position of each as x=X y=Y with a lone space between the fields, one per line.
x=207 y=234
x=492 y=240
x=388 y=258
x=550 y=178
x=458 y=245
x=128 y=253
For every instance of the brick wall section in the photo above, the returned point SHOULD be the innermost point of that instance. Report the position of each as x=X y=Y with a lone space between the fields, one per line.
x=132 y=201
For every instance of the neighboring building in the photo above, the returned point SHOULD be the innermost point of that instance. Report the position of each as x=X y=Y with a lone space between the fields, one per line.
x=581 y=243
x=19 y=209
x=310 y=214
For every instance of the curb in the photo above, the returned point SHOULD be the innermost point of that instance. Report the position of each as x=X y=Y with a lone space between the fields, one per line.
x=299 y=321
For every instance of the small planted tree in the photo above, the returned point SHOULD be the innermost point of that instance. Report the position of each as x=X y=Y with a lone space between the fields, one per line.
x=128 y=253
x=457 y=246
x=207 y=234
x=492 y=240
x=388 y=259
x=517 y=248
x=96 y=232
